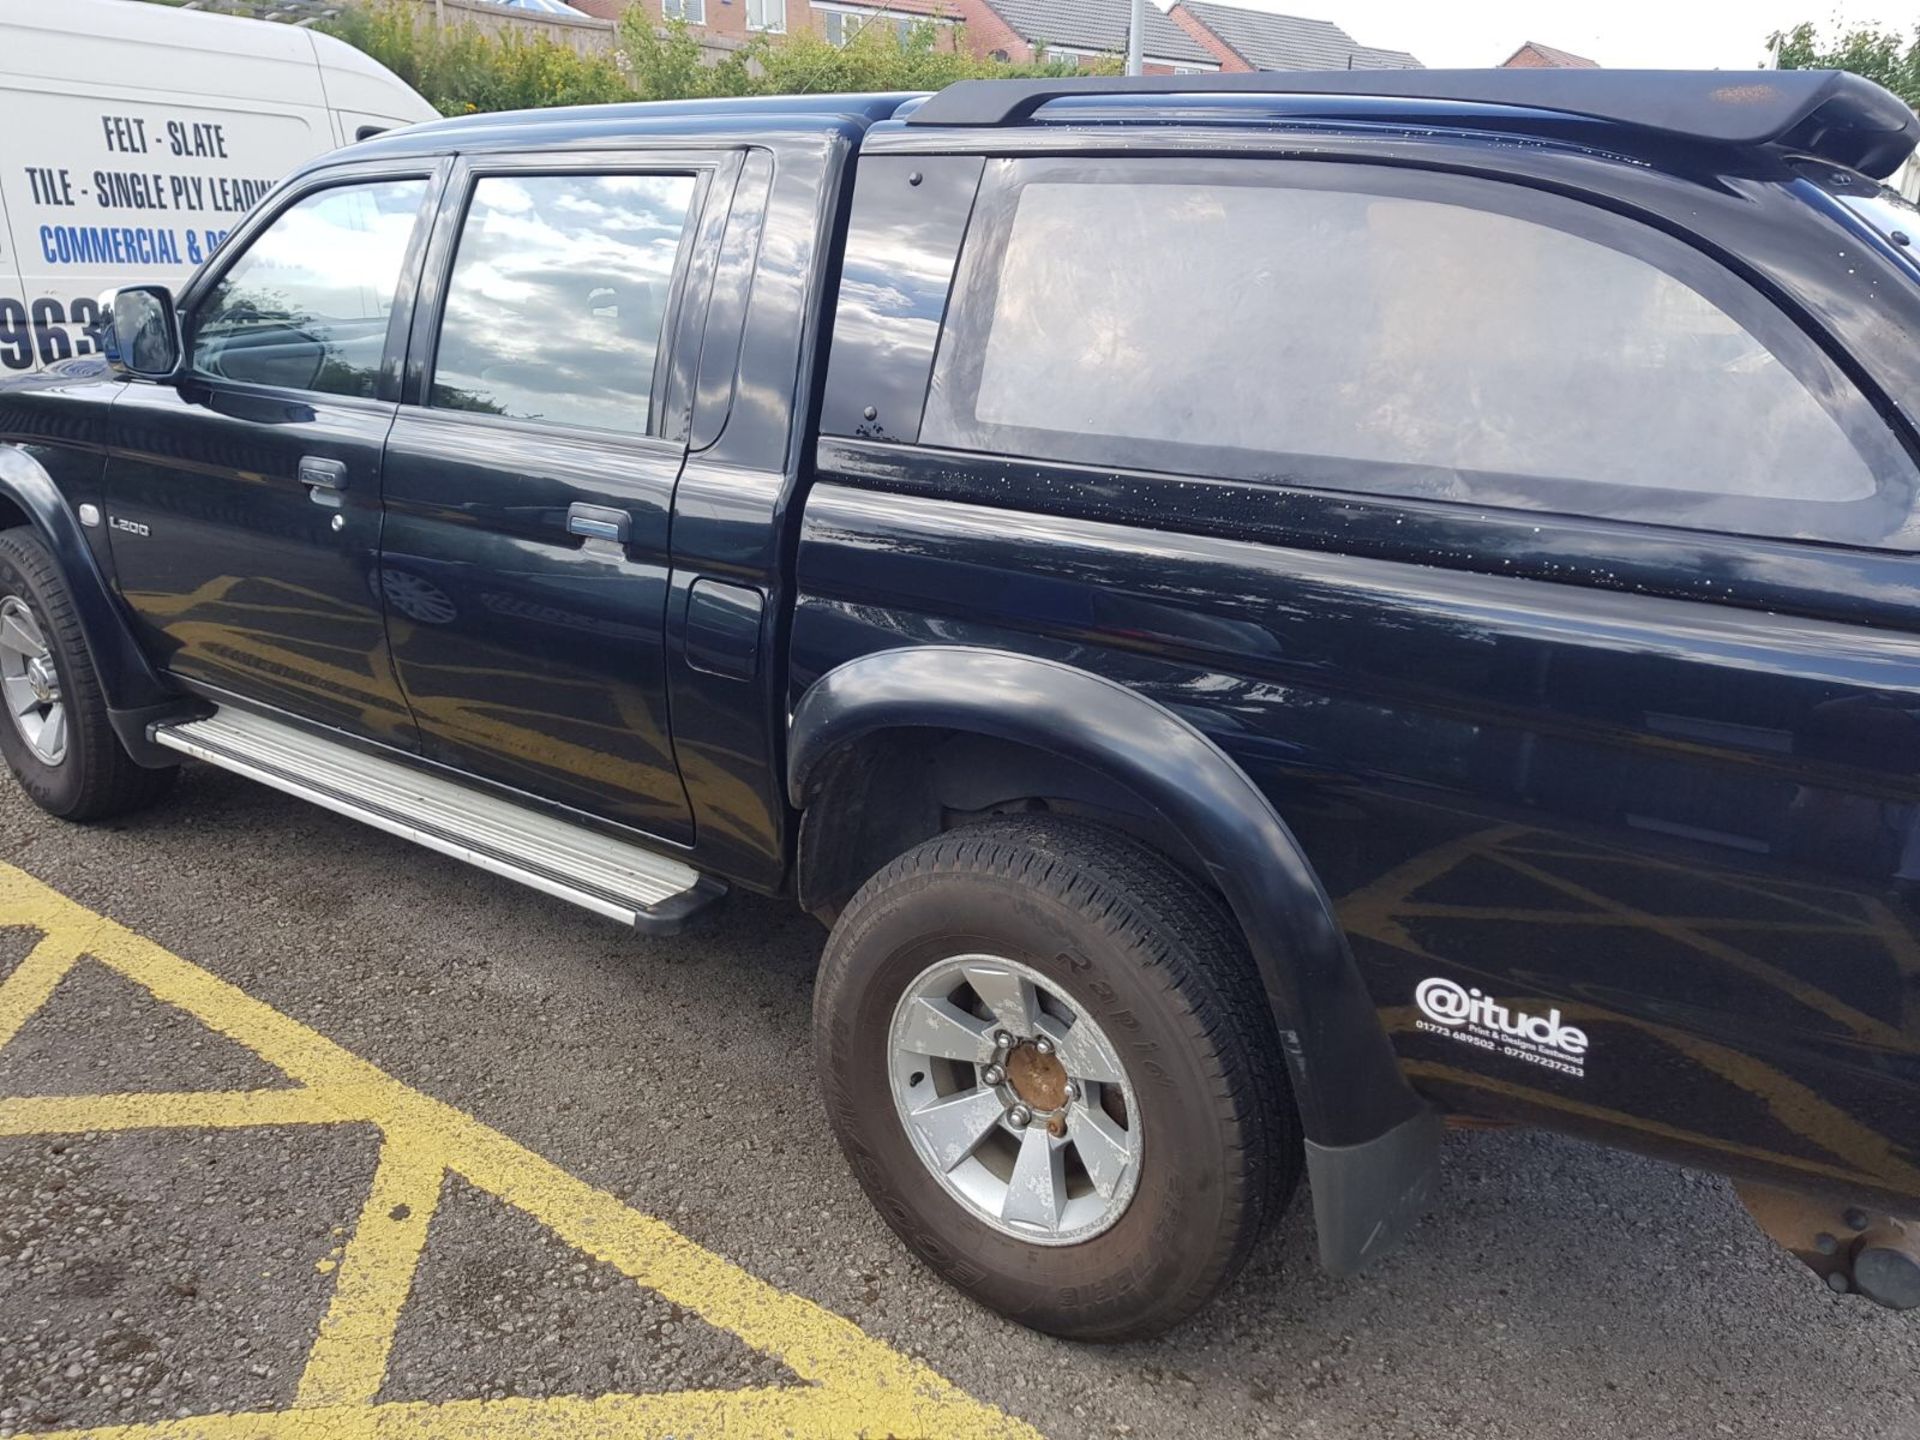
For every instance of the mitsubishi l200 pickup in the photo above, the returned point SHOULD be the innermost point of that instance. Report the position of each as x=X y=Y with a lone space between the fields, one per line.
x=1266 y=613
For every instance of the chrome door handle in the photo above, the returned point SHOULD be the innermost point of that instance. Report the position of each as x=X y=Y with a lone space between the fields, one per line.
x=599 y=522
x=320 y=473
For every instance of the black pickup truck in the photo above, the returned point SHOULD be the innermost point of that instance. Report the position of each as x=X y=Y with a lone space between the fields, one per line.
x=1267 y=614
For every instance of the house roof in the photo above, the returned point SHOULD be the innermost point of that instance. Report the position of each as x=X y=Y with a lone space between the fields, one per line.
x=1099 y=25
x=933 y=9
x=1547 y=56
x=1289 y=42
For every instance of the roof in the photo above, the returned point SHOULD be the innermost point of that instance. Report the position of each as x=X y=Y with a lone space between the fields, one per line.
x=1548 y=57
x=1837 y=116
x=761 y=117
x=1289 y=42
x=1099 y=25
x=543 y=7
x=932 y=9
x=136 y=46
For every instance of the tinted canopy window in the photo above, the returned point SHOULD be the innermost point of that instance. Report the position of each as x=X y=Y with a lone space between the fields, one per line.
x=559 y=295
x=308 y=303
x=1382 y=342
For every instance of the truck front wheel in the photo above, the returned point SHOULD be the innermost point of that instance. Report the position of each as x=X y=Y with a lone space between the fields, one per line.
x=1047 y=1055
x=55 y=734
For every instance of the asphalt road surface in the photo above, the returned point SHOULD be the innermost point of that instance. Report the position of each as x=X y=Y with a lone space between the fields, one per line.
x=389 y=1142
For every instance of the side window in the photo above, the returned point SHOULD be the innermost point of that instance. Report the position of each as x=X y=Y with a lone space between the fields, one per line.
x=1557 y=360
x=306 y=306
x=560 y=292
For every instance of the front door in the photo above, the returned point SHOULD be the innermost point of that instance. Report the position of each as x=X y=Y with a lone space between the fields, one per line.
x=530 y=478
x=244 y=499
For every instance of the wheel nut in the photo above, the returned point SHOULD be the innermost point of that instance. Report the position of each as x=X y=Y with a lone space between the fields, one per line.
x=993 y=1075
x=1003 y=1040
x=1073 y=1091
x=1019 y=1117
x=1043 y=1045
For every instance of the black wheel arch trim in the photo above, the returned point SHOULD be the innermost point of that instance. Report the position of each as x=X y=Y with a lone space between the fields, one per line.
x=1373 y=1141
x=127 y=679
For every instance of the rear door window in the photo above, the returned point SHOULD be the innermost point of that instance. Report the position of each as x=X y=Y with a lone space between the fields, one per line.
x=1439 y=339
x=560 y=293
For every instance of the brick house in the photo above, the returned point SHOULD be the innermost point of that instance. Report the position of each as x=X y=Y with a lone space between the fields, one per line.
x=1535 y=56
x=1241 y=40
x=1080 y=31
x=726 y=24
x=1022 y=31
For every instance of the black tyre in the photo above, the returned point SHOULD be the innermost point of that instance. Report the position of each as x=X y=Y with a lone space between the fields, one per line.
x=54 y=731
x=1105 y=1174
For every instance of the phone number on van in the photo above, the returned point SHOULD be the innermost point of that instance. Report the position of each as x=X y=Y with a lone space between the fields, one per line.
x=38 y=331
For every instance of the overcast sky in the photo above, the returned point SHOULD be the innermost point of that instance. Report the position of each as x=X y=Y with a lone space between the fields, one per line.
x=1670 y=34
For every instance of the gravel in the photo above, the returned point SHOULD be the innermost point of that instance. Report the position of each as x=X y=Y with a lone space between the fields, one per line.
x=1558 y=1289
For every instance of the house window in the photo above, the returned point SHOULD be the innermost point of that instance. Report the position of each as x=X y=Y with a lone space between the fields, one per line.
x=840 y=26
x=767 y=15
x=694 y=12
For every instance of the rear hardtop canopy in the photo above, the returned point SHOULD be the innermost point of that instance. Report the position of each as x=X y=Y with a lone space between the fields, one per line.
x=1831 y=114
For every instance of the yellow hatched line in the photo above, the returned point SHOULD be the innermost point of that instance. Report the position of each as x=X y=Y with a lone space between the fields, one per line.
x=789 y=1413
x=348 y=1362
x=205 y=1109
x=34 y=979
x=855 y=1385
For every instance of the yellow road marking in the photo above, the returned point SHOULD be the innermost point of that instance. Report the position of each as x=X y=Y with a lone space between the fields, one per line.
x=854 y=1385
x=212 y=1110
x=349 y=1360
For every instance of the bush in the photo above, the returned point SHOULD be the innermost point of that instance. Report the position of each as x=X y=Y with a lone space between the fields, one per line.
x=665 y=64
x=462 y=69
x=1891 y=57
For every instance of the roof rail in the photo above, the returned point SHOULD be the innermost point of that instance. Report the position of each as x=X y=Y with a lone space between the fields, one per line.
x=1828 y=113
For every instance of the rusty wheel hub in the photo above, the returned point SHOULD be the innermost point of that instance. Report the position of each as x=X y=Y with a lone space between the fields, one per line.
x=1038 y=1079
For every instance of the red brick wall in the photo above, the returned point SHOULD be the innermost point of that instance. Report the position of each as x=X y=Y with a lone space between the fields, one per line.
x=727 y=19
x=1230 y=61
x=988 y=34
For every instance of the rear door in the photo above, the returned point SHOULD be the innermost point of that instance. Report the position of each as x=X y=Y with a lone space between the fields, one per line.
x=530 y=479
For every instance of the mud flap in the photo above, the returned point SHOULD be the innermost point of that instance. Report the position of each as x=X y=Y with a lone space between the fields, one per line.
x=1368 y=1197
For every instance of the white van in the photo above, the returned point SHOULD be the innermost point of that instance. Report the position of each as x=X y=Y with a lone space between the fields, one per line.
x=136 y=135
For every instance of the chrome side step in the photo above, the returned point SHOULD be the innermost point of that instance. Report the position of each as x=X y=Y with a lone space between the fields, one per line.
x=610 y=877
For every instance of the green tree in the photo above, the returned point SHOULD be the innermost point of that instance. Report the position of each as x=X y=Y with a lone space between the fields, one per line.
x=1891 y=57
x=665 y=63
x=461 y=69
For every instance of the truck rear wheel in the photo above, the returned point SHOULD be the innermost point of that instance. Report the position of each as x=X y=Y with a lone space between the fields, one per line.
x=1047 y=1055
x=55 y=734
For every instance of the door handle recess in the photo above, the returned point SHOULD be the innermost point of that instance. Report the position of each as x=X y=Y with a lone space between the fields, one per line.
x=599 y=522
